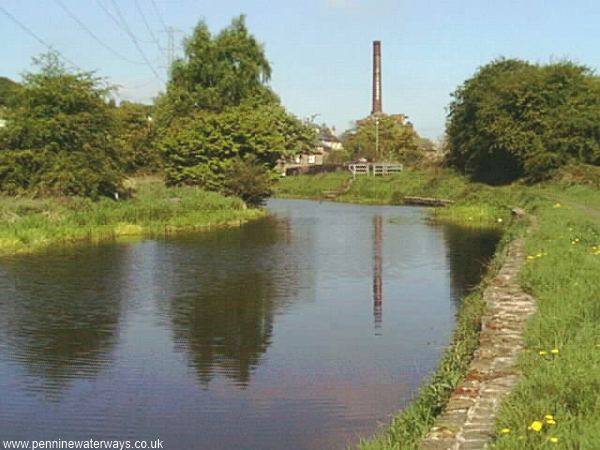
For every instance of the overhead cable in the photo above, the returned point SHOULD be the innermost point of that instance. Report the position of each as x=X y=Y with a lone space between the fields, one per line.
x=135 y=40
x=152 y=35
x=37 y=38
x=85 y=28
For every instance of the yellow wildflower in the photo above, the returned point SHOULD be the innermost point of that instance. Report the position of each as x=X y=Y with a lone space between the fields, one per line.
x=554 y=351
x=543 y=352
x=551 y=422
x=557 y=205
x=536 y=426
x=553 y=439
x=549 y=417
x=505 y=430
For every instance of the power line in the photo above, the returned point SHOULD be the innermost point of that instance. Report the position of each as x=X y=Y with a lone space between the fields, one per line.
x=158 y=14
x=110 y=15
x=134 y=40
x=94 y=36
x=37 y=38
x=152 y=35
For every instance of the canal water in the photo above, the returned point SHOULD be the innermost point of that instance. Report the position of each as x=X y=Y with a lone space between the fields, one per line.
x=301 y=331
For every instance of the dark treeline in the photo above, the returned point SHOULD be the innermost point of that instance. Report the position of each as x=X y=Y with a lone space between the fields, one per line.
x=515 y=120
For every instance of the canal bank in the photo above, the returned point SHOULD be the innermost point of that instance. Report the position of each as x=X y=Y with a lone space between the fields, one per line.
x=29 y=225
x=550 y=406
x=469 y=417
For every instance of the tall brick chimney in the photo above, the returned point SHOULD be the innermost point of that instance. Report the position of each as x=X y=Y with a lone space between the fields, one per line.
x=376 y=78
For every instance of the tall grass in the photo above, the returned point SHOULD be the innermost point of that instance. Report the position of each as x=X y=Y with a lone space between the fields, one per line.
x=30 y=224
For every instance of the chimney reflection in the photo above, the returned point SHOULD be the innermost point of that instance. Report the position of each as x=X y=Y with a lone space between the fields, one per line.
x=377 y=271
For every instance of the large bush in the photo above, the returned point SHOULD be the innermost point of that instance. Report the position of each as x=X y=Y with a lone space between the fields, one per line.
x=58 y=135
x=514 y=119
x=135 y=135
x=199 y=149
x=218 y=112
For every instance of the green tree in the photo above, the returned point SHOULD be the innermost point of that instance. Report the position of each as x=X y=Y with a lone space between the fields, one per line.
x=217 y=72
x=198 y=149
x=514 y=119
x=397 y=139
x=218 y=114
x=58 y=136
x=135 y=135
x=8 y=91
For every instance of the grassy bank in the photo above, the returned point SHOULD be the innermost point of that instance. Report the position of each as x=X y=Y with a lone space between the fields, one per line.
x=476 y=204
x=28 y=225
x=562 y=362
x=561 y=365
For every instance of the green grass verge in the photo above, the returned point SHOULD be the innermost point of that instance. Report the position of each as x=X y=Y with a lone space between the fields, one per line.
x=28 y=225
x=564 y=384
x=298 y=187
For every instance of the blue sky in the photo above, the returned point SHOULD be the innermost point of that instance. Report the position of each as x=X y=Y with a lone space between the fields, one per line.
x=320 y=50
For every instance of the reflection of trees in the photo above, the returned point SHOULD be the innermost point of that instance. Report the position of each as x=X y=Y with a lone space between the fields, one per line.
x=60 y=312
x=228 y=327
x=222 y=310
x=469 y=251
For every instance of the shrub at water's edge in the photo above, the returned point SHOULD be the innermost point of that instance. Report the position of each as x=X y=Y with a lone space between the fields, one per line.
x=28 y=225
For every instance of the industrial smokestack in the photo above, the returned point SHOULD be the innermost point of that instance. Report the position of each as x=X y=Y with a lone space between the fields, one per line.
x=376 y=77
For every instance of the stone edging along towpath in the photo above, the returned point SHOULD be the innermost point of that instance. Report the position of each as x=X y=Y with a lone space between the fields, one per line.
x=467 y=423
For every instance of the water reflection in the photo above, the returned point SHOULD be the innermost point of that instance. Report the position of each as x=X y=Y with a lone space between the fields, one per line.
x=222 y=308
x=60 y=313
x=468 y=256
x=250 y=338
x=377 y=270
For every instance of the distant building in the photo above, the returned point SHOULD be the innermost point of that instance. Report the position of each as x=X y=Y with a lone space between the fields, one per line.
x=301 y=161
x=327 y=142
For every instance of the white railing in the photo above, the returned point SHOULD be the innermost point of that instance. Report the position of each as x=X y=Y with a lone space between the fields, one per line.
x=375 y=169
